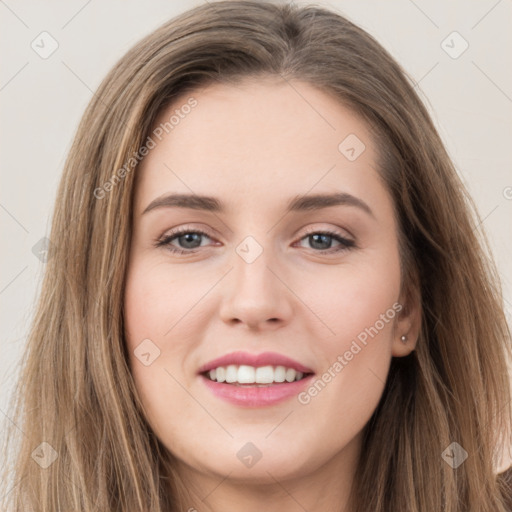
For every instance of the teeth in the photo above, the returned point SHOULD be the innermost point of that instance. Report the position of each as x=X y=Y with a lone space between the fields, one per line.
x=279 y=374
x=221 y=374
x=243 y=374
x=265 y=375
x=231 y=373
x=290 y=375
x=246 y=374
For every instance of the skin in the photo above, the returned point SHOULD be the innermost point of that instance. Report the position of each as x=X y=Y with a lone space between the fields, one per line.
x=254 y=146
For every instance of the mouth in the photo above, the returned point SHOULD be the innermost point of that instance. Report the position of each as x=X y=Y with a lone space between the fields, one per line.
x=251 y=376
x=255 y=380
x=249 y=381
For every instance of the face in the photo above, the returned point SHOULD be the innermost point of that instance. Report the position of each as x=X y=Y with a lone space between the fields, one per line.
x=276 y=281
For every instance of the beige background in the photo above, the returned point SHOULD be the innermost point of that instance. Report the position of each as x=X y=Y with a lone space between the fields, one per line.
x=42 y=99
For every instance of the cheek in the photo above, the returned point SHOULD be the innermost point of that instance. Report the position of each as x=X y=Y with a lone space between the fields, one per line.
x=360 y=306
x=153 y=305
x=156 y=301
x=155 y=309
x=356 y=298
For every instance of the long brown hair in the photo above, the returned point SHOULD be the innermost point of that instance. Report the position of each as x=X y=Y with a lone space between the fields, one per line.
x=76 y=392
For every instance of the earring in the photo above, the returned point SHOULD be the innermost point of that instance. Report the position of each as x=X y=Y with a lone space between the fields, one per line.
x=403 y=338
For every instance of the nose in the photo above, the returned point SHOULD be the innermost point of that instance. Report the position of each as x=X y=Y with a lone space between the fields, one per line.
x=256 y=294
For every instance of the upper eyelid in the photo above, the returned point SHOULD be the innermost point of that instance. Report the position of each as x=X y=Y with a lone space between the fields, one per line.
x=336 y=231
x=206 y=231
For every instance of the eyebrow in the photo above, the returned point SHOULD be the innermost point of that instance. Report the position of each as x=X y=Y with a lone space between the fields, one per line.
x=296 y=204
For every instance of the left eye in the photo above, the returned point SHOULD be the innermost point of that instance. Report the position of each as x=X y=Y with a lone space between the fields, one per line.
x=325 y=238
x=191 y=240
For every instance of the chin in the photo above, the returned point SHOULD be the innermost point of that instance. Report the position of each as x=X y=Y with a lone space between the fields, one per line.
x=258 y=462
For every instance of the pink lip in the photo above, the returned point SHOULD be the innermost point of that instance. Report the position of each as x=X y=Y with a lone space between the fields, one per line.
x=256 y=360
x=250 y=395
x=253 y=395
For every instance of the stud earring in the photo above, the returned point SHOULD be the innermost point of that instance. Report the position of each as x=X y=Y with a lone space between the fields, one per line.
x=403 y=338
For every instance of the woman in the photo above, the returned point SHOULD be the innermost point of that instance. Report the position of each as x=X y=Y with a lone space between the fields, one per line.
x=194 y=347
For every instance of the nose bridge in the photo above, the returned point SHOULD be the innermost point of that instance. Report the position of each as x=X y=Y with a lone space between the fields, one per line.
x=256 y=295
x=253 y=278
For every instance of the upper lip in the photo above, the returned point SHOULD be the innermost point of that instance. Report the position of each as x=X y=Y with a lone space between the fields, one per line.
x=263 y=359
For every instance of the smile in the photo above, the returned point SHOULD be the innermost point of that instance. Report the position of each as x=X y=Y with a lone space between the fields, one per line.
x=255 y=380
x=246 y=375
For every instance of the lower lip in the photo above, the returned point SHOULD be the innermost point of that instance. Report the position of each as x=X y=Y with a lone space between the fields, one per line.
x=256 y=396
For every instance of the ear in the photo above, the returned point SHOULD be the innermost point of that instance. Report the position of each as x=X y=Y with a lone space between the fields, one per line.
x=408 y=321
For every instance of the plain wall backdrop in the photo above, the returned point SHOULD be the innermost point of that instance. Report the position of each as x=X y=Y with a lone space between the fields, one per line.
x=55 y=54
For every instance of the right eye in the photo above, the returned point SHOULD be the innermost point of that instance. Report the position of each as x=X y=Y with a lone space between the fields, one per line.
x=185 y=236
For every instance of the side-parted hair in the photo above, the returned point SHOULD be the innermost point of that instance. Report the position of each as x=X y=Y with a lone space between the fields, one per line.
x=76 y=392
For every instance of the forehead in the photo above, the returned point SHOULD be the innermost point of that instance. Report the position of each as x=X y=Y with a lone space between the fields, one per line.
x=256 y=141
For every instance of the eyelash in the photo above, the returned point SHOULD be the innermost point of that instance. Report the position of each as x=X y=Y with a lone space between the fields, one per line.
x=165 y=241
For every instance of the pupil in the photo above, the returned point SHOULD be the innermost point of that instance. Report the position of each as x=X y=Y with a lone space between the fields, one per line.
x=320 y=236
x=189 y=238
